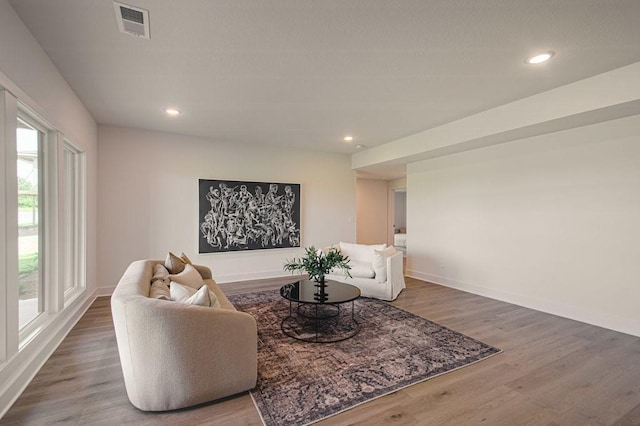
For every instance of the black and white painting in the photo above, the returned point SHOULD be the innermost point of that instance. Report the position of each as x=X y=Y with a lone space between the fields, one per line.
x=236 y=215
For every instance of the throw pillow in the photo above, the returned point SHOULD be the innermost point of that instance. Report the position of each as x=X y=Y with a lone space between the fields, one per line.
x=159 y=273
x=188 y=295
x=182 y=294
x=380 y=263
x=185 y=259
x=160 y=290
x=189 y=277
x=174 y=264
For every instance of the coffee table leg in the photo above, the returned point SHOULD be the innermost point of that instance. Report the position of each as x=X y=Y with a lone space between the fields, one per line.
x=291 y=332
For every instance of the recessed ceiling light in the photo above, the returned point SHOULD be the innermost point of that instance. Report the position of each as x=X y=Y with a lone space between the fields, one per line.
x=348 y=138
x=172 y=111
x=540 y=58
x=360 y=146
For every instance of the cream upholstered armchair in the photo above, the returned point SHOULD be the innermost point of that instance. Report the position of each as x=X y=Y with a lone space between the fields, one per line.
x=377 y=270
x=175 y=355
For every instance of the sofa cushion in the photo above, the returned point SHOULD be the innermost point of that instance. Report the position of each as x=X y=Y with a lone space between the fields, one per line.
x=175 y=264
x=358 y=270
x=189 y=277
x=360 y=252
x=160 y=273
x=190 y=296
x=380 y=263
x=160 y=290
x=326 y=250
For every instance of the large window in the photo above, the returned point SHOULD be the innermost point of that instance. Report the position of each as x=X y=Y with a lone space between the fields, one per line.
x=42 y=236
x=44 y=249
x=29 y=143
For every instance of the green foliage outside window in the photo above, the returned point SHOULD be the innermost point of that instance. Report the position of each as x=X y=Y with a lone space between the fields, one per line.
x=27 y=263
x=26 y=200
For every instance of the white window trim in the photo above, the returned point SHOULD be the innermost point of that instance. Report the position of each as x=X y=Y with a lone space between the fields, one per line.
x=78 y=261
x=9 y=228
x=21 y=359
x=47 y=229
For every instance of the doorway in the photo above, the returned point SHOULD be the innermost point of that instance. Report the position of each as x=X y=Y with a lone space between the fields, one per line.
x=398 y=217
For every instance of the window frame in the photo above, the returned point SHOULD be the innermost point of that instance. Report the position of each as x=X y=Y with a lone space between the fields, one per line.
x=46 y=283
x=22 y=351
x=73 y=249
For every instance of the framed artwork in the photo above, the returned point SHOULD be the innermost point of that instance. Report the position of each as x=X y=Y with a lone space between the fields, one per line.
x=238 y=215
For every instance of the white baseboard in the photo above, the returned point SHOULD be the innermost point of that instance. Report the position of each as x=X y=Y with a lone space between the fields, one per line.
x=250 y=276
x=18 y=372
x=573 y=312
x=105 y=291
x=220 y=279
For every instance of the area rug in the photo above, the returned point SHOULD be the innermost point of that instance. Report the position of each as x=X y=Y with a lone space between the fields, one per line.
x=301 y=383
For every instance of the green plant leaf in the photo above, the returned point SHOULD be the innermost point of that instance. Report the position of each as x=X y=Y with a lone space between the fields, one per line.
x=317 y=264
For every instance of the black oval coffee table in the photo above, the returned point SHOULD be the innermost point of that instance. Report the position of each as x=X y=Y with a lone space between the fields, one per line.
x=317 y=316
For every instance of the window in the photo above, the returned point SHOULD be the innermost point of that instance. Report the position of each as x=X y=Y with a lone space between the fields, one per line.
x=42 y=230
x=29 y=144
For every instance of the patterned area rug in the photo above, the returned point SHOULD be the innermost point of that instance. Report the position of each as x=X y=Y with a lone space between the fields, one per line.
x=301 y=383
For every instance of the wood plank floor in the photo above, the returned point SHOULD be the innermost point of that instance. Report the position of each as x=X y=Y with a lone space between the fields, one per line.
x=553 y=371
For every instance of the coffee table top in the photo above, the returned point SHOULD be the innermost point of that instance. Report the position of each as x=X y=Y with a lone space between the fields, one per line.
x=306 y=291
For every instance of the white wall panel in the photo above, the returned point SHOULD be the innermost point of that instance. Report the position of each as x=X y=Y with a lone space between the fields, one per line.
x=148 y=195
x=549 y=222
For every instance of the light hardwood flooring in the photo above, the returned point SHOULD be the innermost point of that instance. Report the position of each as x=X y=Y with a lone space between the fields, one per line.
x=552 y=371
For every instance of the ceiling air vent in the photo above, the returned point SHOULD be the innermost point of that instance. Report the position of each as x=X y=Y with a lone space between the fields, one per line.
x=132 y=20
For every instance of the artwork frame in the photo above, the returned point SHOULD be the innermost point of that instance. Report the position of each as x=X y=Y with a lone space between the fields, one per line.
x=244 y=215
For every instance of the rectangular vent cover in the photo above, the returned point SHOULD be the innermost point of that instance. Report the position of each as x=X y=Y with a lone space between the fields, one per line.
x=132 y=20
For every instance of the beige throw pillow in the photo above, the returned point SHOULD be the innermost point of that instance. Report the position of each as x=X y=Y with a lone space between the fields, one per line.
x=160 y=290
x=174 y=264
x=189 y=277
x=159 y=273
x=185 y=259
x=380 y=263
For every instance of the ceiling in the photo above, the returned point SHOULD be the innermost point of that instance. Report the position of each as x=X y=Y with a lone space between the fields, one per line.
x=305 y=73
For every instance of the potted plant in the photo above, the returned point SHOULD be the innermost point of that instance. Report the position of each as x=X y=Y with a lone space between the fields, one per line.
x=317 y=263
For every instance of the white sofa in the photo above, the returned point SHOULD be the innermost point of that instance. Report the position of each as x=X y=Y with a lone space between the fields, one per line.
x=377 y=270
x=175 y=355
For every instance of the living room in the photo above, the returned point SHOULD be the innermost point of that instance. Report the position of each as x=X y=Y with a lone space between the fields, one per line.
x=531 y=201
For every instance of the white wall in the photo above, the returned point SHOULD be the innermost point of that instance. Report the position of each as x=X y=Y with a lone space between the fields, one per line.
x=550 y=222
x=30 y=76
x=372 y=220
x=148 y=199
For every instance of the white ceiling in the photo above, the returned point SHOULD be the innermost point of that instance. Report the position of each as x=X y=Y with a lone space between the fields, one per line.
x=307 y=72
